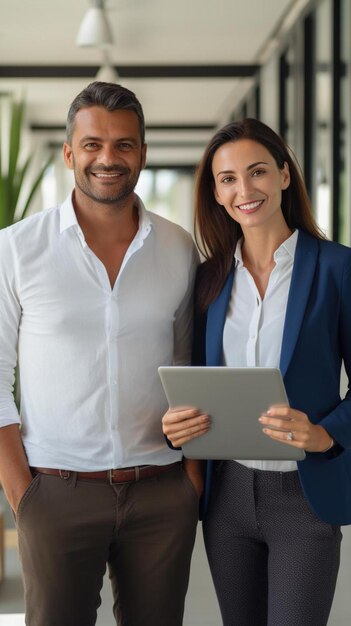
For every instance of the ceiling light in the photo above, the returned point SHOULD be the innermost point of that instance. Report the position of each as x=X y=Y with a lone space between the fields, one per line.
x=107 y=74
x=95 y=29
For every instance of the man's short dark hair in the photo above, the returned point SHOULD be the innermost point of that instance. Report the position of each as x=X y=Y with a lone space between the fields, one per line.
x=109 y=96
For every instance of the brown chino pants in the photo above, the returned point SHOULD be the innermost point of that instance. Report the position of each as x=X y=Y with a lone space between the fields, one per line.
x=70 y=529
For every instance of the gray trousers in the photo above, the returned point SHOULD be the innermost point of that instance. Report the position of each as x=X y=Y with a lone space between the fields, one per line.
x=273 y=562
x=70 y=529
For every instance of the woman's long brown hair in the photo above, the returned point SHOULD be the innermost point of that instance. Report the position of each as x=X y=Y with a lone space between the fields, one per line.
x=216 y=233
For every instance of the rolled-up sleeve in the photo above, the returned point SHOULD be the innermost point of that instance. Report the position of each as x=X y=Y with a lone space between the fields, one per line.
x=10 y=315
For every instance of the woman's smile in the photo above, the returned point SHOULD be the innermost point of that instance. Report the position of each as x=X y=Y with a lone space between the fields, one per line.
x=250 y=207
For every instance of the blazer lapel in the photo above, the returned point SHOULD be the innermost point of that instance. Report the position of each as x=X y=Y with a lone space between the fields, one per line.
x=215 y=323
x=301 y=281
x=306 y=256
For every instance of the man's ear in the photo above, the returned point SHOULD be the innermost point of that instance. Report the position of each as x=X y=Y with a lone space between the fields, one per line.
x=68 y=155
x=143 y=156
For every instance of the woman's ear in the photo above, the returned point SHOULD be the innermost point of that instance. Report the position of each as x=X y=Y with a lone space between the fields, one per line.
x=285 y=173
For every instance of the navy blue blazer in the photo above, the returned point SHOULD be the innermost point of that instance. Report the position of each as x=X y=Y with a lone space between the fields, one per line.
x=316 y=339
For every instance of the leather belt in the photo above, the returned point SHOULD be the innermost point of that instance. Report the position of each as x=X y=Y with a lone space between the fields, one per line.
x=123 y=475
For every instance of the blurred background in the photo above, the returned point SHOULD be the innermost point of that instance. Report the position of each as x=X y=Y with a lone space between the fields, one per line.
x=194 y=65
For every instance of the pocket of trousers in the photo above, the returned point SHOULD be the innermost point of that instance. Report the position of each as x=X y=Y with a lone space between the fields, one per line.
x=189 y=484
x=26 y=496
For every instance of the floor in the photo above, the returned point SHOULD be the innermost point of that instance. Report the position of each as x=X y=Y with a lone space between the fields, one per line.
x=201 y=606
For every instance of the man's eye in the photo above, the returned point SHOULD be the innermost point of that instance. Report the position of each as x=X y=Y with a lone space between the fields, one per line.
x=125 y=146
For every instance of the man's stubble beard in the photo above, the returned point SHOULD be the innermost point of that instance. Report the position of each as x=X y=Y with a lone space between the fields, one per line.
x=82 y=182
x=117 y=198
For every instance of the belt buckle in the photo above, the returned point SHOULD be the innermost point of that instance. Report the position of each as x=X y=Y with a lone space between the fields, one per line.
x=64 y=474
x=135 y=479
x=111 y=477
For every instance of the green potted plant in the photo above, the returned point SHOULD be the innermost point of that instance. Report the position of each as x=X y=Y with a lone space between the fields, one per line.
x=13 y=173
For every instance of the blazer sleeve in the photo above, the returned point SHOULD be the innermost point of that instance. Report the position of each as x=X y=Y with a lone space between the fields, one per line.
x=338 y=421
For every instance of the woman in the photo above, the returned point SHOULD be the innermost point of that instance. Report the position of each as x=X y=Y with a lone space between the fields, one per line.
x=273 y=292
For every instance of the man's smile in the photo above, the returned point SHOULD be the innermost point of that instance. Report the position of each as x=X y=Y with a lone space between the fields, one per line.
x=106 y=175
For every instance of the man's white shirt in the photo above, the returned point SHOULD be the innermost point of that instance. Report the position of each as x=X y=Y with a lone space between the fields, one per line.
x=91 y=397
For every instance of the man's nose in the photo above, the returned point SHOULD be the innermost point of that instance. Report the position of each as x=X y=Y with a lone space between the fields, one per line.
x=108 y=155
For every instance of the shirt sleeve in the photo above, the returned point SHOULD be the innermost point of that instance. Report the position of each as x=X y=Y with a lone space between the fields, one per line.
x=183 y=324
x=10 y=314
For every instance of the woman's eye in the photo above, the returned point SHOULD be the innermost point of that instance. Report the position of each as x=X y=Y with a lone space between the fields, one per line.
x=227 y=179
x=258 y=172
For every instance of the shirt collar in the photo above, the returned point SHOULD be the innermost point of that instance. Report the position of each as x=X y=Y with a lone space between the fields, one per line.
x=68 y=217
x=237 y=254
x=286 y=249
x=145 y=223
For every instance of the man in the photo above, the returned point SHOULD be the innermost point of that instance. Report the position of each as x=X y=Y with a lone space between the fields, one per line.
x=97 y=293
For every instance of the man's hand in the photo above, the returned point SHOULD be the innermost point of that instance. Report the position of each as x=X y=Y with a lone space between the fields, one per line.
x=15 y=474
x=17 y=492
x=194 y=471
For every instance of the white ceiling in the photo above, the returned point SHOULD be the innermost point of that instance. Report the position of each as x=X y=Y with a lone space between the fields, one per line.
x=36 y=33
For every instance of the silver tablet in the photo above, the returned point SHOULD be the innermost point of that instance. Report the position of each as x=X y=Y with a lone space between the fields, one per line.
x=234 y=398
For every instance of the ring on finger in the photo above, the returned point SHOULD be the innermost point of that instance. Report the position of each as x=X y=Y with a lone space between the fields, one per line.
x=290 y=436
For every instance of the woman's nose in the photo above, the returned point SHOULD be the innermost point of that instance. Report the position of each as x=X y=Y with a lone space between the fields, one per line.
x=244 y=186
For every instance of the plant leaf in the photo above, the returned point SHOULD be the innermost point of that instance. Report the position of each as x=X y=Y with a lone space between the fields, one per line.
x=17 y=112
x=1 y=105
x=17 y=185
x=3 y=202
x=35 y=186
x=11 y=182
